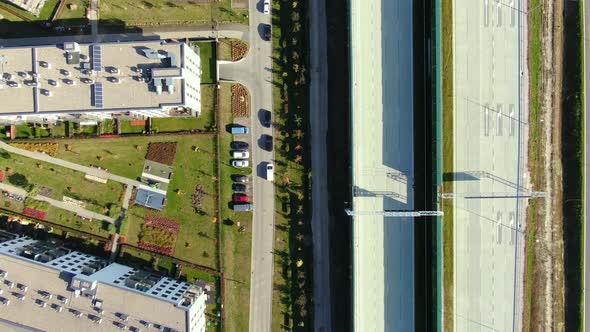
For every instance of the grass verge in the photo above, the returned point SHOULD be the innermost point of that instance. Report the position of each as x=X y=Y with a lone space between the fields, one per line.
x=208 y=62
x=534 y=157
x=448 y=134
x=293 y=278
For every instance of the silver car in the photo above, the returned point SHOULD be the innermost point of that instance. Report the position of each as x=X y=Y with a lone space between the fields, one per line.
x=239 y=163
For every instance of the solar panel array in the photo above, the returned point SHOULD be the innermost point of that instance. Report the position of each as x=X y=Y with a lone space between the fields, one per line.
x=97 y=95
x=96 y=57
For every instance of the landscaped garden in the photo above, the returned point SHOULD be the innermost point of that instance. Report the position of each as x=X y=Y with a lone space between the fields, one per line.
x=194 y=167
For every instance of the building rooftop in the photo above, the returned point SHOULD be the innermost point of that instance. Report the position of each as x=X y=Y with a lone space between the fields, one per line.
x=150 y=199
x=83 y=283
x=96 y=77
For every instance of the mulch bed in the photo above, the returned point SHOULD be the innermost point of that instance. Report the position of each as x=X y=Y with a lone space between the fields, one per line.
x=238 y=49
x=240 y=101
x=34 y=213
x=163 y=153
x=162 y=223
x=155 y=248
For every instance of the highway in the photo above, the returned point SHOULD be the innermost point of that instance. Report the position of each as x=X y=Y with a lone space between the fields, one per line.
x=383 y=161
x=490 y=156
x=320 y=219
x=586 y=305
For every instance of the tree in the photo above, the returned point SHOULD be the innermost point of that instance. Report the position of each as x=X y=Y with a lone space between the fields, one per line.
x=18 y=180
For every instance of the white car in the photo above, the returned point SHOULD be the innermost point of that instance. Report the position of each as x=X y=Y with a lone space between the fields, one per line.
x=266 y=8
x=239 y=163
x=240 y=154
x=270 y=173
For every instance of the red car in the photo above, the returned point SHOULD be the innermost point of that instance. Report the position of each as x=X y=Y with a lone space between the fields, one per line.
x=240 y=198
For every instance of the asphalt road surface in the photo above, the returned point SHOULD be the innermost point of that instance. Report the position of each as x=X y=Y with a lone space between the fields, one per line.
x=586 y=18
x=319 y=129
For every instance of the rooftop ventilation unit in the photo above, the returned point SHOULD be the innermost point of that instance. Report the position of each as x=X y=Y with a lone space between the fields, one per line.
x=152 y=54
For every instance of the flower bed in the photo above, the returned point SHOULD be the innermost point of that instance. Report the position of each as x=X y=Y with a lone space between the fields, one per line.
x=162 y=223
x=238 y=49
x=155 y=248
x=240 y=101
x=47 y=148
x=34 y=213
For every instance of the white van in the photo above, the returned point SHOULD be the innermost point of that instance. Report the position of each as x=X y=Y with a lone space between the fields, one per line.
x=270 y=172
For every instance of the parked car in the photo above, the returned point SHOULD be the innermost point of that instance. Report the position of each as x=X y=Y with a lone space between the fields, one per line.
x=266 y=118
x=270 y=173
x=266 y=32
x=240 y=154
x=238 y=145
x=266 y=142
x=239 y=130
x=266 y=8
x=241 y=178
x=240 y=198
x=239 y=187
x=240 y=163
x=242 y=207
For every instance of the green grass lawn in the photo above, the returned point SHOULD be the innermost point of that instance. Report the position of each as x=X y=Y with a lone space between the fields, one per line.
x=76 y=16
x=58 y=130
x=448 y=159
x=158 y=12
x=204 y=122
x=127 y=128
x=121 y=156
x=197 y=233
x=69 y=219
x=59 y=179
x=87 y=130
x=24 y=131
x=107 y=126
x=208 y=62
x=236 y=245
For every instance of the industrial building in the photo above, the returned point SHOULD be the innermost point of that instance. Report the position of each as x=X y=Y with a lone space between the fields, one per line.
x=89 y=82
x=48 y=287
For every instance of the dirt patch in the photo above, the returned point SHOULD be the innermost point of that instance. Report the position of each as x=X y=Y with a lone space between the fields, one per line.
x=548 y=288
x=163 y=153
